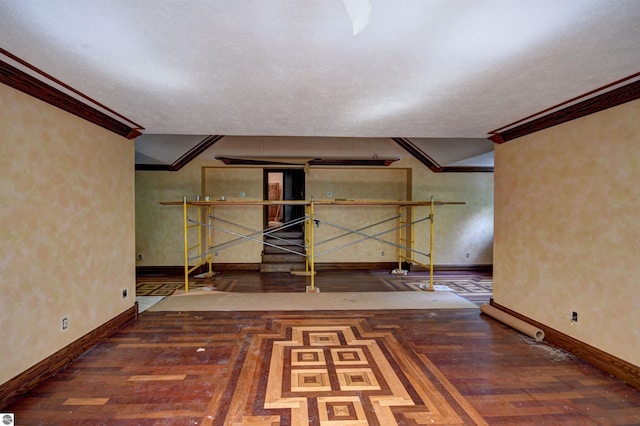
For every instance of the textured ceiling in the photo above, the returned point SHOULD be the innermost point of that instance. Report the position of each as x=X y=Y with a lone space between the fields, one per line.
x=420 y=69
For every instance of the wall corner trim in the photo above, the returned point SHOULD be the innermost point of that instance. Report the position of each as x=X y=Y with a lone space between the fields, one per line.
x=202 y=146
x=611 y=364
x=554 y=116
x=432 y=165
x=20 y=80
x=30 y=378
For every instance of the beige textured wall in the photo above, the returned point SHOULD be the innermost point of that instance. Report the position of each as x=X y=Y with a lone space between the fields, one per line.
x=66 y=229
x=460 y=229
x=231 y=183
x=567 y=235
x=159 y=239
x=463 y=233
x=356 y=184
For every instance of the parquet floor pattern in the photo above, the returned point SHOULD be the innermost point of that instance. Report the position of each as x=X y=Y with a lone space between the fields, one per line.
x=477 y=287
x=326 y=368
x=410 y=367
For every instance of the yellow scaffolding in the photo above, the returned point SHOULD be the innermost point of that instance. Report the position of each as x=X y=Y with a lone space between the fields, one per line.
x=203 y=256
x=200 y=228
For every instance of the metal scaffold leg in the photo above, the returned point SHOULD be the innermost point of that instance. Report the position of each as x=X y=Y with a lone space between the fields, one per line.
x=311 y=249
x=405 y=227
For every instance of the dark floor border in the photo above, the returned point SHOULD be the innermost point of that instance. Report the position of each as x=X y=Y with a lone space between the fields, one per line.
x=487 y=268
x=150 y=271
x=611 y=364
x=29 y=379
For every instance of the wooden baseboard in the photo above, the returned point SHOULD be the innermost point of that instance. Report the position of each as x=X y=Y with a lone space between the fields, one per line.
x=30 y=378
x=149 y=271
x=235 y=267
x=354 y=266
x=486 y=268
x=174 y=271
x=611 y=364
x=393 y=265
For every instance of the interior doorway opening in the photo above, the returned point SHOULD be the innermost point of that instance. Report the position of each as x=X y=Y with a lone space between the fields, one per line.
x=275 y=214
x=283 y=184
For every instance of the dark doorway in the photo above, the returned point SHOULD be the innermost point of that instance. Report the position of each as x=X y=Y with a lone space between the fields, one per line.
x=283 y=184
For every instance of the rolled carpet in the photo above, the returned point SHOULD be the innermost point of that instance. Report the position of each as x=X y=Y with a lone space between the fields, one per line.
x=513 y=322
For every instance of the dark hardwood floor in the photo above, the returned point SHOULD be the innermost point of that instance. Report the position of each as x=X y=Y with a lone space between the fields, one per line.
x=388 y=367
x=475 y=286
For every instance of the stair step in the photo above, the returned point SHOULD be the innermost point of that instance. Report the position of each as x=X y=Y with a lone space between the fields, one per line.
x=281 y=267
x=277 y=250
x=274 y=245
x=287 y=242
x=274 y=259
x=284 y=258
x=286 y=234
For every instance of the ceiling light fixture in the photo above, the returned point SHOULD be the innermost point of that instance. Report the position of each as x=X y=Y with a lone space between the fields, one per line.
x=359 y=12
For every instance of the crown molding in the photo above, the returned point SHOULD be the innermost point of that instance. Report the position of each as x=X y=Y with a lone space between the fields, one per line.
x=26 y=83
x=425 y=159
x=202 y=146
x=282 y=161
x=617 y=96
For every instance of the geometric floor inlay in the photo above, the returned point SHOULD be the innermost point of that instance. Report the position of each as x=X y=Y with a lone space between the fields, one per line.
x=326 y=368
x=340 y=374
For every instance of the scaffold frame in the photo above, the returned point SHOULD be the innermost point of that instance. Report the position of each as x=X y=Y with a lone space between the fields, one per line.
x=201 y=225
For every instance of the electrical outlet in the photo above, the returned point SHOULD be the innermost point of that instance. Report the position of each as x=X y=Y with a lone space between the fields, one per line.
x=381 y=253
x=215 y=253
x=468 y=254
x=140 y=258
x=124 y=293
x=65 y=323
x=574 y=316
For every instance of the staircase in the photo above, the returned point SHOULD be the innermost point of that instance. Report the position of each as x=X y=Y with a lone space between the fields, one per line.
x=274 y=259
